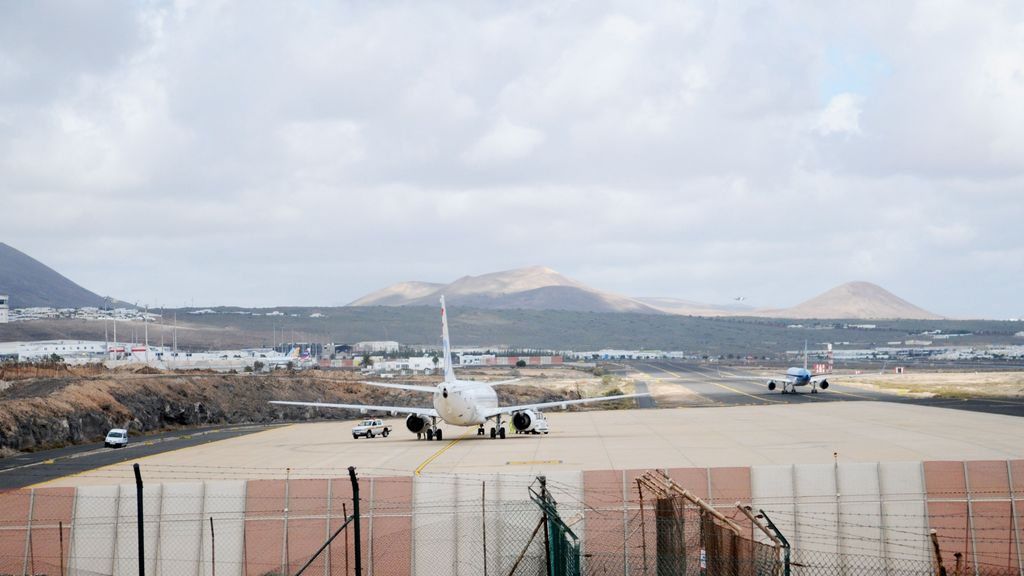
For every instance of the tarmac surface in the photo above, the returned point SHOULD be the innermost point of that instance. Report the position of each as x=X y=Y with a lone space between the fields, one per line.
x=784 y=433
x=720 y=419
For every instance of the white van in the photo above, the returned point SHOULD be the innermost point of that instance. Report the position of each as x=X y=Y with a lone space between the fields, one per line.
x=116 y=438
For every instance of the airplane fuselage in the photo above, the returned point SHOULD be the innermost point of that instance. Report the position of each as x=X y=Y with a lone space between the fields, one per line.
x=464 y=402
x=798 y=376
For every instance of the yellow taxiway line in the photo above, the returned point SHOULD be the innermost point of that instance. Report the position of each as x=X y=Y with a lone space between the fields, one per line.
x=442 y=451
x=729 y=388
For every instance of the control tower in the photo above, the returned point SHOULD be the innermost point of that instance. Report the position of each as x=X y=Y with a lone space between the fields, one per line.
x=4 y=312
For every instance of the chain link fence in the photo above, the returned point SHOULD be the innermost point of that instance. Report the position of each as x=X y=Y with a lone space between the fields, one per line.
x=276 y=527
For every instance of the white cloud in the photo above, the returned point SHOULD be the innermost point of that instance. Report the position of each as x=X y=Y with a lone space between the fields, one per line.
x=840 y=116
x=504 y=142
x=683 y=148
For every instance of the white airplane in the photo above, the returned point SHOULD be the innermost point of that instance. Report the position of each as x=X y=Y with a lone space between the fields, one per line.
x=460 y=402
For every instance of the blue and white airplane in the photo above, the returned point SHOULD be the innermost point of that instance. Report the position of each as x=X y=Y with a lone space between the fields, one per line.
x=461 y=402
x=794 y=377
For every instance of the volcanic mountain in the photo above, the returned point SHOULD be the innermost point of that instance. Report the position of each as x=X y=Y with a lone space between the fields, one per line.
x=531 y=288
x=31 y=283
x=853 y=300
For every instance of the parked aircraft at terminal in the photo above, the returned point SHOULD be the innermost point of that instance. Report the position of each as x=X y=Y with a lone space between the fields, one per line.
x=460 y=402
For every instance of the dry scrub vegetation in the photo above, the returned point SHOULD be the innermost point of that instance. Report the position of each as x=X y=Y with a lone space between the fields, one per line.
x=947 y=384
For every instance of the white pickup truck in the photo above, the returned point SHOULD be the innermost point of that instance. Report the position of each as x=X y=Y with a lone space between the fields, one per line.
x=371 y=428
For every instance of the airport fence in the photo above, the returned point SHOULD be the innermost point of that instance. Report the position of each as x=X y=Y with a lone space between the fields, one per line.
x=442 y=525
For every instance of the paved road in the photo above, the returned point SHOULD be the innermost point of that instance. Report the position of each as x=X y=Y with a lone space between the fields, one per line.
x=713 y=387
x=32 y=468
x=644 y=401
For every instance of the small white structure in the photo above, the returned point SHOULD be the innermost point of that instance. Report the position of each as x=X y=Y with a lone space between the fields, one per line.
x=5 y=314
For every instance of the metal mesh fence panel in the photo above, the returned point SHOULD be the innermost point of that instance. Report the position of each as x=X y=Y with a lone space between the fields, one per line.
x=260 y=529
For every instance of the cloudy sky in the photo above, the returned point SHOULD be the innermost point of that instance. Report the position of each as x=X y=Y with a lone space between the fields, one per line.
x=282 y=153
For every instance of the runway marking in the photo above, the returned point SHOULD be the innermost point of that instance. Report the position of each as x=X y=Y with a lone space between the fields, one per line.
x=709 y=401
x=984 y=399
x=830 y=390
x=729 y=388
x=531 y=462
x=442 y=451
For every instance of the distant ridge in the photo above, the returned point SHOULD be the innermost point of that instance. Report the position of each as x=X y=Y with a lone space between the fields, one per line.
x=541 y=288
x=398 y=294
x=531 y=288
x=30 y=283
x=854 y=300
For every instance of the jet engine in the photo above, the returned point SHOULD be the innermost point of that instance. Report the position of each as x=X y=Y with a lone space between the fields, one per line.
x=823 y=384
x=416 y=423
x=771 y=384
x=524 y=420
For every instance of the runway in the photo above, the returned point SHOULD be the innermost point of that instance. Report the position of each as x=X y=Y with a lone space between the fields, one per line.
x=38 y=467
x=703 y=385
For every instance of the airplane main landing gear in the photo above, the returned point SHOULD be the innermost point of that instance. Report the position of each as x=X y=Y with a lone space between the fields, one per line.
x=494 y=432
x=501 y=433
x=480 y=431
x=432 y=431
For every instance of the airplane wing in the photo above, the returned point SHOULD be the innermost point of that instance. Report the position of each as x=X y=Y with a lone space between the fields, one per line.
x=557 y=404
x=412 y=387
x=757 y=378
x=835 y=376
x=500 y=382
x=366 y=407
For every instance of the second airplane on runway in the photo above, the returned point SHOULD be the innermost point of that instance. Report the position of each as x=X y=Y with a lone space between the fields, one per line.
x=461 y=402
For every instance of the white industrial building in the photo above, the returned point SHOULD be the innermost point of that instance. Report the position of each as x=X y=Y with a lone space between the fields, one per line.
x=377 y=347
x=5 y=313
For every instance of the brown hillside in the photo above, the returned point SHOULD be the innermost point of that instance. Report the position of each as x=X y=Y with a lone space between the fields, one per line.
x=854 y=300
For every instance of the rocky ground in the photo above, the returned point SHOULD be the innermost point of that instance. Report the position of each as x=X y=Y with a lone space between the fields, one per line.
x=57 y=406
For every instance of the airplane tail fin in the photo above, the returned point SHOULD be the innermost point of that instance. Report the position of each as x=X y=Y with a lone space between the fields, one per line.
x=805 y=354
x=449 y=373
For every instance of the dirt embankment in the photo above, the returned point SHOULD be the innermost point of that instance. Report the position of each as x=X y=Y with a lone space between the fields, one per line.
x=47 y=412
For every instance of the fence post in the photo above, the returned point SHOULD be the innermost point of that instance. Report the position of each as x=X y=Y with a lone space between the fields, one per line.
x=355 y=514
x=285 y=560
x=139 y=518
x=940 y=570
x=28 y=564
x=60 y=536
x=643 y=525
x=213 y=549
x=483 y=517
x=756 y=521
x=785 y=543
x=547 y=528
